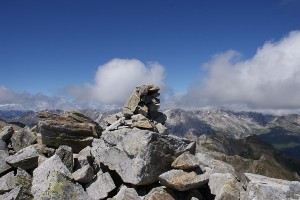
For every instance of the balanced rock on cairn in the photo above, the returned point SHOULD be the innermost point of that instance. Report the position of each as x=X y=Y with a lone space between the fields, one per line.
x=140 y=111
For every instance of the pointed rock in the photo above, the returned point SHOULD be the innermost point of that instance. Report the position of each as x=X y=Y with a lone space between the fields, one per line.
x=182 y=181
x=6 y=133
x=84 y=175
x=100 y=188
x=66 y=155
x=186 y=161
x=14 y=194
x=7 y=182
x=26 y=158
x=126 y=193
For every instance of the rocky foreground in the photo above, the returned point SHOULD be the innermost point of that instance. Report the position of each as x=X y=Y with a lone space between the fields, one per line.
x=70 y=156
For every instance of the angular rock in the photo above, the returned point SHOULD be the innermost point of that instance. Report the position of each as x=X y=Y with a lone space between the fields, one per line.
x=160 y=193
x=3 y=145
x=22 y=138
x=40 y=182
x=72 y=129
x=84 y=175
x=6 y=133
x=100 y=188
x=66 y=155
x=4 y=167
x=224 y=186
x=161 y=129
x=136 y=154
x=41 y=159
x=210 y=165
x=26 y=158
x=110 y=119
x=14 y=194
x=186 y=161
x=126 y=193
x=262 y=187
x=133 y=101
x=24 y=180
x=7 y=182
x=83 y=158
x=182 y=181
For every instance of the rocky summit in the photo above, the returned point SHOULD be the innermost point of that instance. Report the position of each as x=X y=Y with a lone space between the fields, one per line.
x=130 y=157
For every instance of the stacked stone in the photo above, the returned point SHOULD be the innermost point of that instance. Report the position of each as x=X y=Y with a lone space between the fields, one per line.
x=141 y=110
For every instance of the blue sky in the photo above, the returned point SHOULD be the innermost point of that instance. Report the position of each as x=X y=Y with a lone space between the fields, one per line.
x=48 y=46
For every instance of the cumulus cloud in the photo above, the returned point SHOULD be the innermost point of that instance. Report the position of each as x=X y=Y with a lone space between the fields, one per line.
x=10 y=99
x=268 y=80
x=116 y=79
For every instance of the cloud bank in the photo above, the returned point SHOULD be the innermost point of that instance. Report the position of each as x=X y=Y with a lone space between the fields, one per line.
x=268 y=80
x=116 y=79
x=11 y=100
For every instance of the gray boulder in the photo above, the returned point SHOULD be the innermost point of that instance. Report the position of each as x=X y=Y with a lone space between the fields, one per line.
x=262 y=187
x=66 y=155
x=14 y=194
x=72 y=129
x=26 y=158
x=83 y=158
x=101 y=186
x=126 y=193
x=224 y=186
x=22 y=138
x=3 y=145
x=84 y=175
x=4 y=167
x=136 y=154
x=7 y=182
x=186 y=161
x=183 y=181
x=6 y=133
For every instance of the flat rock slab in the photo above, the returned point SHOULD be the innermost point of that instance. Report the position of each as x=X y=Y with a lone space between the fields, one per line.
x=262 y=187
x=100 y=188
x=181 y=181
x=26 y=158
x=186 y=161
x=137 y=155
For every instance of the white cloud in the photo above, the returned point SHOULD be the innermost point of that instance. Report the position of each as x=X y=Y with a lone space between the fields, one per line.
x=268 y=80
x=116 y=79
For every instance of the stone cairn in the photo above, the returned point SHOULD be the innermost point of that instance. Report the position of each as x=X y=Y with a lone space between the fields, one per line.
x=69 y=156
x=141 y=110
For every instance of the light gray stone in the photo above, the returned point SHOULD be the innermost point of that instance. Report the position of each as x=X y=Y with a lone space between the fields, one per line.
x=84 y=175
x=126 y=193
x=22 y=138
x=66 y=155
x=186 y=161
x=7 y=182
x=3 y=145
x=160 y=193
x=14 y=194
x=136 y=154
x=262 y=187
x=224 y=186
x=182 y=181
x=6 y=133
x=133 y=101
x=100 y=188
x=110 y=119
x=161 y=129
x=26 y=158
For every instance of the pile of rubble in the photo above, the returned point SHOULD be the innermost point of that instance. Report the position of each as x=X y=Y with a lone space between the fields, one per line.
x=70 y=156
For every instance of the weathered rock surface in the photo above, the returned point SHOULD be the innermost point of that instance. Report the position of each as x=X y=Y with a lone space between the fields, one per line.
x=182 y=181
x=24 y=180
x=66 y=155
x=6 y=133
x=160 y=193
x=100 y=188
x=224 y=186
x=4 y=167
x=210 y=165
x=186 y=161
x=72 y=129
x=14 y=194
x=136 y=154
x=26 y=158
x=126 y=193
x=262 y=187
x=22 y=138
x=83 y=158
x=7 y=182
x=84 y=175
x=3 y=145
